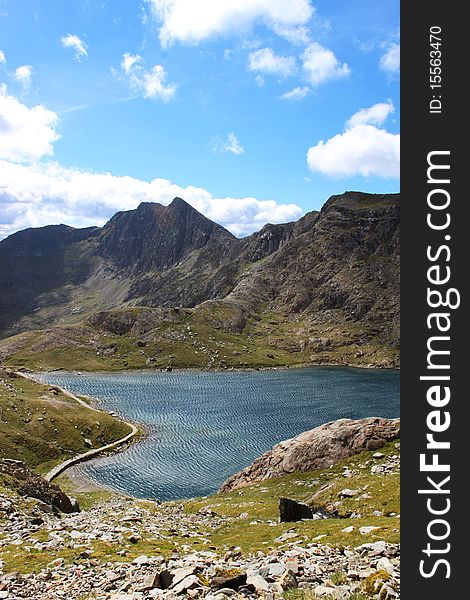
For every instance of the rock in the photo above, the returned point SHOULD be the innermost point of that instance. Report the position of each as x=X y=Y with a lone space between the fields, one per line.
x=181 y=574
x=373 y=548
x=28 y=483
x=387 y=592
x=378 y=455
x=291 y=510
x=134 y=538
x=289 y=535
x=258 y=583
x=367 y=529
x=322 y=590
x=188 y=583
x=384 y=564
x=231 y=580
x=165 y=579
x=292 y=565
x=58 y=562
x=342 y=592
x=318 y=448
x=273 y=570
x=288 y=580
x=347 y=529
x=347 y=493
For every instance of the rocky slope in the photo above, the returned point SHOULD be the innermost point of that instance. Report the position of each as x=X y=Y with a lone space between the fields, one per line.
x=321 y=290
x=229 y=545
x=318 y=448
x=18 y=476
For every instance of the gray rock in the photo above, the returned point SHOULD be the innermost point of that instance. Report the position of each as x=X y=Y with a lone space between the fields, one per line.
x=188 y=583
x=322 y=590
x=384 y=564
x=259 y=584
x=181 y=574
x=347 y=493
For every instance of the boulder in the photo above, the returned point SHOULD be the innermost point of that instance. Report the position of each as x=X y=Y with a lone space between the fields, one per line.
x=318 y=448
x=230 y=579
x=291 y=510
x=28 y=483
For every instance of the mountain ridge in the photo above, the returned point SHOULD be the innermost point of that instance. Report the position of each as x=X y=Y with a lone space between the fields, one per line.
x=331 y=277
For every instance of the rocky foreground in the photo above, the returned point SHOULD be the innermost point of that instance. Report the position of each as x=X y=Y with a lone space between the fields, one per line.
x=371 y=568
x=323 y=533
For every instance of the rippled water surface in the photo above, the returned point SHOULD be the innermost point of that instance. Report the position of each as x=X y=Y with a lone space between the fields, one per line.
x=205 y=426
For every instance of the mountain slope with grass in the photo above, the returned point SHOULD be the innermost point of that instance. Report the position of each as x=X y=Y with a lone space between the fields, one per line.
x=166 y=287
x=43 y=427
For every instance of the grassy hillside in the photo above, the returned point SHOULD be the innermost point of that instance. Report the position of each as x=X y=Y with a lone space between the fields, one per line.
x=42 y=426
x=205 y=337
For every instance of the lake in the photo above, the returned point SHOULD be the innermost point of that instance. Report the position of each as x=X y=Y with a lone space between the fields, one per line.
x=204 y=426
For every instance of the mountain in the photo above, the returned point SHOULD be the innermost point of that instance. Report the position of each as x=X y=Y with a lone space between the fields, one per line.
x=322 y=289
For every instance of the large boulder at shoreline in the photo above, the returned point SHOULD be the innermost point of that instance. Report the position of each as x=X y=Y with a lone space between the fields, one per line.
x=28 y=483
x=318 y=448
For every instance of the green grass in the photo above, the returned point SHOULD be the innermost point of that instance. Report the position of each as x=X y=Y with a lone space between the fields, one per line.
x=254 y=509
x=42 y=426
x=21 y=560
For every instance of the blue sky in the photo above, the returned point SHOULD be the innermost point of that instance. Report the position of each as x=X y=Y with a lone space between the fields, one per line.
x=252 y=110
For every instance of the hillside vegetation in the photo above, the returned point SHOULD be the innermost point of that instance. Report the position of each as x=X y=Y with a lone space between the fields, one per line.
x=42 y=427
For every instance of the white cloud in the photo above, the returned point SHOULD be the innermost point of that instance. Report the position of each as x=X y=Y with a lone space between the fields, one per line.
x=191 y=21
x=390 y=61
x=23 y=75
x=297 y=35
x=128 y=61
x=27 y=134
x=320 y=64
x=78 y=46
x=47 y=193
x=151 y=84
x=43 y=193
x=3 y=59
x=362 y=149
x=266 y=61
x=298 y=93
x=374 y=115
x=229 y=144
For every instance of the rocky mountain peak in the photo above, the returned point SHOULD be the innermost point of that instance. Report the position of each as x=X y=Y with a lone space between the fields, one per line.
x=154 y=236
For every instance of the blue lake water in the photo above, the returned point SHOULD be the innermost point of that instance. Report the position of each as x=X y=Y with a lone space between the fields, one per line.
x=204 y=426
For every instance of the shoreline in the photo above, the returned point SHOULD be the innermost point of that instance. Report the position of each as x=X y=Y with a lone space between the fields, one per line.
x=64 y=466
x=27 y=370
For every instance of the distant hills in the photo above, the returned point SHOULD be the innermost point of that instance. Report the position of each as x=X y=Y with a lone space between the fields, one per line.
x=322 y=289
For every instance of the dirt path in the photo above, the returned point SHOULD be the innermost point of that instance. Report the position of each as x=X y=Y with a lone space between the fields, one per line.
x=60 y=468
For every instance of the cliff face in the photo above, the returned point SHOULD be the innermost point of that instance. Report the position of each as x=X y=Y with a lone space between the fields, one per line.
x=331 y=276
x=153 y=237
